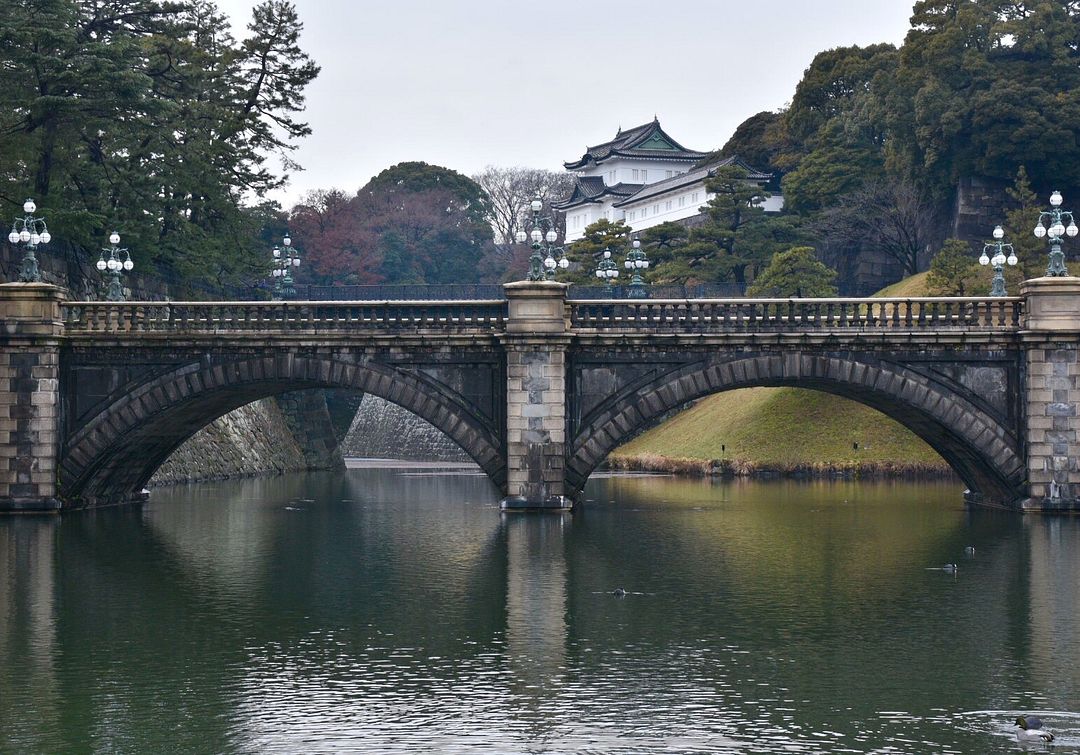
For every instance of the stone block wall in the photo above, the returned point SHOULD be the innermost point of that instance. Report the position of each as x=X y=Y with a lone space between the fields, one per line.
x=29 y=395
x=29 y=423
x=1052 y=399
x=384 y=430
x=252 y=440
x=536 y=418
x=309 y=423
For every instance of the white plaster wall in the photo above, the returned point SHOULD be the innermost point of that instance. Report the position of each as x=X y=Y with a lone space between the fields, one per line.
x=667 y=207
x=648 y=171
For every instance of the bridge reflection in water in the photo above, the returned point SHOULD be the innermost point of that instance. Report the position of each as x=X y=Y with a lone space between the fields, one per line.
x=400 y=611
x=536 y=389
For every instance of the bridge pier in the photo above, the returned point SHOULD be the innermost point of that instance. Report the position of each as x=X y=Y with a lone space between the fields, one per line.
x=1051 y=339
x=536 y=341
x=31 y=331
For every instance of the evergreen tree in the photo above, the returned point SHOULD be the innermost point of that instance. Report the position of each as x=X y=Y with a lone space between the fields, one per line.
x=755 y=141
x=712 y=252
x=984 y=87
x=585 y=253
x=148 y=117
x=955 y=272
x=795 y=272
x=1020 y=221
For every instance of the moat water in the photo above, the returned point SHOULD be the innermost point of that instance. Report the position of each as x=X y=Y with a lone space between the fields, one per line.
x=398 y=611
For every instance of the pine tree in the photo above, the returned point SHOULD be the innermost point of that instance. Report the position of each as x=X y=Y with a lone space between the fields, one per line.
x=1020 y=221
x=148 y=117
x=955 y=272
x=585 y=253
x=795 y=272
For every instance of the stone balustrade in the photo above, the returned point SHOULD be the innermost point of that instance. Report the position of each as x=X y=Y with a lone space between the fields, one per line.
x=682 y=315
x=740 y=315
x=216 y=317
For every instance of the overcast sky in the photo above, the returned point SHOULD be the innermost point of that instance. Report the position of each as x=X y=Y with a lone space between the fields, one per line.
x=491 y=82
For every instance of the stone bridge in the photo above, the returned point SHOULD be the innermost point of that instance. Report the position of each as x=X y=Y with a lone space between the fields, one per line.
x=537 y=389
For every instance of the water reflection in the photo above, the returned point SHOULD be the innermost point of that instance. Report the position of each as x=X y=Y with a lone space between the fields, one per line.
x=402 y=612
x=536 y=608
x=29 y=687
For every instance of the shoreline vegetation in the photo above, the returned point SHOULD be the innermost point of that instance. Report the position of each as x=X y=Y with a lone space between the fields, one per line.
x=784 y=432
x=739 y=467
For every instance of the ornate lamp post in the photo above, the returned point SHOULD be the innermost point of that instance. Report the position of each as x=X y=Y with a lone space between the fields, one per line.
x=284 y=261
x=607 y=271
x=636 y=261
x=114 y=262
x=30 y=231
x=1057 y=229
x=542 y=266
x=997 y=288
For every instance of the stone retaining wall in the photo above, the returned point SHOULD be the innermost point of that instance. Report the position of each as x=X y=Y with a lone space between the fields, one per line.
x=383 y=430
x=251 y=440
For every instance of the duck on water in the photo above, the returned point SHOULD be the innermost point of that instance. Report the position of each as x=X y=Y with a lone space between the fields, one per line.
x=1031 y=730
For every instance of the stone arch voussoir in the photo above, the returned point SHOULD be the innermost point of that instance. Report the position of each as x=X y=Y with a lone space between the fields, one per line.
x=112 y=456
x=984 y=454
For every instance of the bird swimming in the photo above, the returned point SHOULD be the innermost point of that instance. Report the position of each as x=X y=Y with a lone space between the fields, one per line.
x=1031 y=730
x=618 y=592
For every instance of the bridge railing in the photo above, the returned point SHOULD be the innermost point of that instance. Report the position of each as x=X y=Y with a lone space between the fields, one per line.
x=734 y=315
x=286 y=316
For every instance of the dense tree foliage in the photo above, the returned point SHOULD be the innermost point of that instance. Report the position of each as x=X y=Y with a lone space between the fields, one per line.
x=795 y=272
x=149 y=117
x=876 y=138
x=954 y=271
x=754 y=141
x=733 y=243
x=412 y=223
x=585 y=253
x=983 y=87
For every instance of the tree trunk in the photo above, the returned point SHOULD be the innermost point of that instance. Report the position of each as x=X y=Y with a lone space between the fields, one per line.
x=43 y=177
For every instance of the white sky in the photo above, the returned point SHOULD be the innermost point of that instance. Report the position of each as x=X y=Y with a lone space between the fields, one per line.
x=476 y=82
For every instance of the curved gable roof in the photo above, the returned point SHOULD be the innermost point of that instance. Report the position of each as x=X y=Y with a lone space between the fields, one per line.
x=646 y=141
x=592 y=189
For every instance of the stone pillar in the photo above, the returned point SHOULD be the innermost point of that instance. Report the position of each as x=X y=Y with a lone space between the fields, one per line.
x=1051 y=338
x=536 y=341
x=308 y=419
x=31 y=329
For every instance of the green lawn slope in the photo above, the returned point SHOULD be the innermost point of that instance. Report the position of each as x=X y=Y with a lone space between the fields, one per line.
x=785 y=430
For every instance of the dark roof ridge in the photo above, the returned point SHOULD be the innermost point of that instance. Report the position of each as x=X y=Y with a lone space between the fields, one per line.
x=628 y=139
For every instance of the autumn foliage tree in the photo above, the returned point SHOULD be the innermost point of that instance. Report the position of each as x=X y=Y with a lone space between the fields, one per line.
x=413 y=223
x=336 y=247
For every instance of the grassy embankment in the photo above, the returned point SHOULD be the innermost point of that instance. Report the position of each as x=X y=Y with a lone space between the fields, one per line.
x=784 y=431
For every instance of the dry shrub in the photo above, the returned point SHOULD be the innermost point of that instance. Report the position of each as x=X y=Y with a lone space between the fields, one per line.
x=657 y=463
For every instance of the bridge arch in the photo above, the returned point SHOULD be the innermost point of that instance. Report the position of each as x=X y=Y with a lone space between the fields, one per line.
x=111 y=457
x=984 y=453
